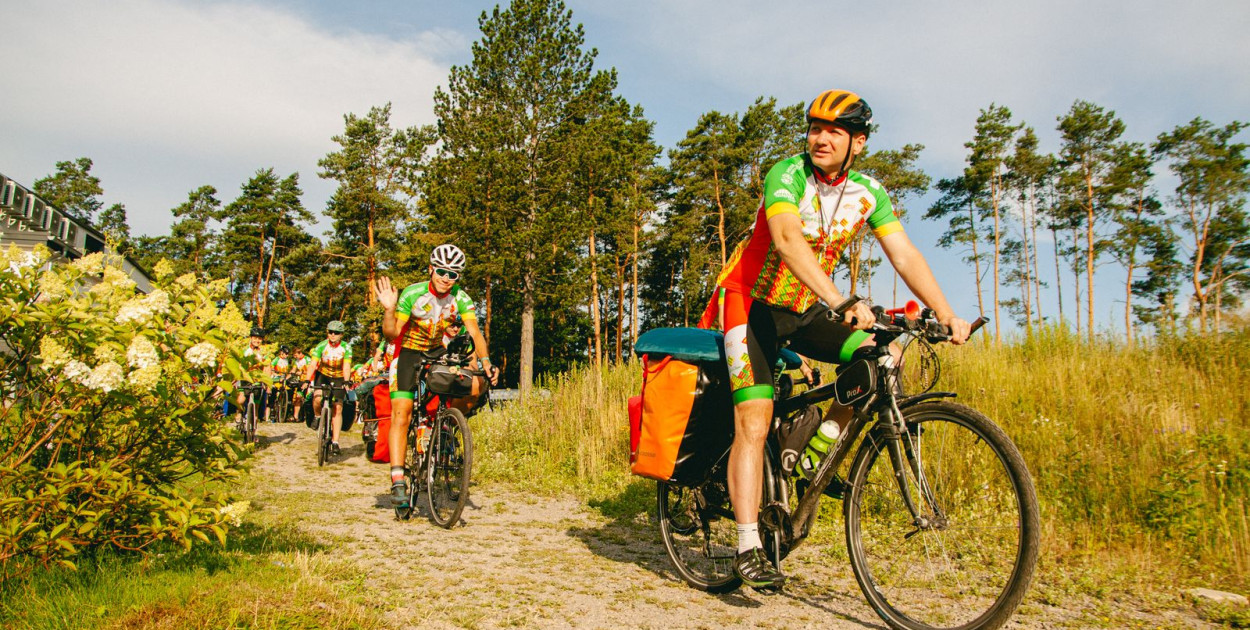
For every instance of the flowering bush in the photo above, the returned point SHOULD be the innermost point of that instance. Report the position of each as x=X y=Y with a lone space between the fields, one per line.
x=107 y=432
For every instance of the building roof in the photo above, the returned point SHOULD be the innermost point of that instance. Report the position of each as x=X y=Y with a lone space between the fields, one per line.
x=27 y=220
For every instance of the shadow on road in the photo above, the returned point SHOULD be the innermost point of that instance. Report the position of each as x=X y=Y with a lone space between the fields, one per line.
x=632 y=535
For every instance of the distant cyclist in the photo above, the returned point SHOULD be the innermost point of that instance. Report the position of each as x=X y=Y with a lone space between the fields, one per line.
x=416 y=320
x=281 y=367
x=331 y=365
x=259 y=367
x=299 y=367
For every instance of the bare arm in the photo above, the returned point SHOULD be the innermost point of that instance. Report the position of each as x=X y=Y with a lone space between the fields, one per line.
x=480 y=350
x=915 y=272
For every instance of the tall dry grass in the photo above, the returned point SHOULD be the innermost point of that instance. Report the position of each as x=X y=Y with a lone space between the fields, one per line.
x=1140 y=455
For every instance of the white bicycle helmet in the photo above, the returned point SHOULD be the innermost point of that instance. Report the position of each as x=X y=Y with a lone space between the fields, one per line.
x=448 y=256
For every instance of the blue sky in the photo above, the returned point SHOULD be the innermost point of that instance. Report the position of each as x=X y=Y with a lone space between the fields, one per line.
x=167 y=95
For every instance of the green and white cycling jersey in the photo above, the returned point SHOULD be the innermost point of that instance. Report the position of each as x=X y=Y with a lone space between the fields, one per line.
x=334 y=361
x=424 y=315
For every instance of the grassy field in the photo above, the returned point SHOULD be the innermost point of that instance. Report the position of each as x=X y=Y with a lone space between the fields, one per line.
x=1141 y=455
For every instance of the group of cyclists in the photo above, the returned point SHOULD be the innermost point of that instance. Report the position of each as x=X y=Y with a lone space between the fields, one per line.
x=776 y=289
x=418 y=324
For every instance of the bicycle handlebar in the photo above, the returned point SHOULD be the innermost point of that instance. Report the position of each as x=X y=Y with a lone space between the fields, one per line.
x=895 y=321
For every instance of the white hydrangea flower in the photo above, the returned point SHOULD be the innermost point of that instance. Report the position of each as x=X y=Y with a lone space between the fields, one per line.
x=186 y=280
x=106 y=377
x=51 y=285
x=20 y=260
x=234 y=512
x=52 y=353
x=145 y=378
x=103 y=353
x=203 y=354
x=158 y=301
x=118 y=279
x=76 y=370
x=135 y=311
x=141 y=353
x=91 y=263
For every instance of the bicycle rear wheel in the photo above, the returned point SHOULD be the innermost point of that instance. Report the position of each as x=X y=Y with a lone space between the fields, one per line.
x=970 y=560
x=448 y=468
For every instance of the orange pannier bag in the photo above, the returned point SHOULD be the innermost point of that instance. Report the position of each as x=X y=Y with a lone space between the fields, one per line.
x=682 y=423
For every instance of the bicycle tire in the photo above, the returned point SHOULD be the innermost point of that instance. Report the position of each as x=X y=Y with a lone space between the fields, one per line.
x=249 y=422
x=411 y=458
x=702 y=542
x=449 y=465
x=323 y=433
x=971 y=569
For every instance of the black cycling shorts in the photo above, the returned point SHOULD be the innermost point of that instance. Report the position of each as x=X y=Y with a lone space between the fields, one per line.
x=338 y=393
x=404 y=371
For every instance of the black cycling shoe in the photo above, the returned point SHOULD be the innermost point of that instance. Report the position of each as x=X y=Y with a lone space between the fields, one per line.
x=399 y=493
x=754 y=569
x=335 y=450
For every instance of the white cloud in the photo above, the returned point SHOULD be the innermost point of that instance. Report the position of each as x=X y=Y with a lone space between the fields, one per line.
x=156 y=91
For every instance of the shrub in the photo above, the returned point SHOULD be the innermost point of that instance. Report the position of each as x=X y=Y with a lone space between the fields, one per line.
x=107 y=433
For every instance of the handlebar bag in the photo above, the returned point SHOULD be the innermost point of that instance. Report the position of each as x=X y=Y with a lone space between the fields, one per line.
x=448 y=380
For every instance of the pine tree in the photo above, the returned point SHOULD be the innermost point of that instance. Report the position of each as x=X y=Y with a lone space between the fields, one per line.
x=72 y=190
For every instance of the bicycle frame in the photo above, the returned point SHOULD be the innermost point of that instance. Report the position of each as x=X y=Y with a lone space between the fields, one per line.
x=884 y=400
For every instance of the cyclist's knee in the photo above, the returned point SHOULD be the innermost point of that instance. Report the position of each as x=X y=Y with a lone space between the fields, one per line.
x=751 y=419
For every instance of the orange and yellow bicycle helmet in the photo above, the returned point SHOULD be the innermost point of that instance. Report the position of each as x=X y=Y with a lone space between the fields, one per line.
x=842 y=108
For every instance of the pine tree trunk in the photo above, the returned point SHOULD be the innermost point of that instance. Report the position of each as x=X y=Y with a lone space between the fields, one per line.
x=620 y=309
x=371 y=266
x=1054 y=239
x=720 y=218
x=1089 y=252
x=595 y=319
x=1037 y=277
x=1128 y=304
x=998 y=334
x=976 y=263
x=527 y=329
x=1076 y=272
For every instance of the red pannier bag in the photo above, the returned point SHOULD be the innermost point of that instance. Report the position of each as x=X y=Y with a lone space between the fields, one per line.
x=382 y=406
x=684 y=417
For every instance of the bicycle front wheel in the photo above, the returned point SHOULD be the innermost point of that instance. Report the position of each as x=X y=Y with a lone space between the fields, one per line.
x=323 y=435
x=249 y=423
x=447 y=470
x=966 y=559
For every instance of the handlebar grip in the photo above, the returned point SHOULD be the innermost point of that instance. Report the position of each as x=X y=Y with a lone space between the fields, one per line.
x=977 y=324
x=846 y=304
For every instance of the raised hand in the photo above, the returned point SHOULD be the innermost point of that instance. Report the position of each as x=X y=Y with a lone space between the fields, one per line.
x=386 y=293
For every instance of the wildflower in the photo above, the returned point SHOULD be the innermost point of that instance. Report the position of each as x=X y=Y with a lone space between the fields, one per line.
x=76 y=370
x=52 y=353
x=106 y=377
x=234 y=512
x=145 y=378
x=141 y=353
x=203 y=354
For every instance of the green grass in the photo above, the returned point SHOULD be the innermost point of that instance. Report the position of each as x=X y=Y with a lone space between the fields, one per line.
x=1141 y=455
x=265 y=578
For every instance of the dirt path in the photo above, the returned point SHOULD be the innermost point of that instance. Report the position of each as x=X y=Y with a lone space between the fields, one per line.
x=523 y=561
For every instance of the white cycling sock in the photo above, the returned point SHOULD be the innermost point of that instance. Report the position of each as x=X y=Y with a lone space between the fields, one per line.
x=397 y=473
x=748 y=536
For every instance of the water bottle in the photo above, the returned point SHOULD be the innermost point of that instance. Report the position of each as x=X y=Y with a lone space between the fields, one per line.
x=818 y=447
x=423 y=436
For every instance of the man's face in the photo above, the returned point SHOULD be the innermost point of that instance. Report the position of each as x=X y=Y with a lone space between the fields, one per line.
x=828 y=144
x=441 y=280
x=255 y=342
x=334 y=337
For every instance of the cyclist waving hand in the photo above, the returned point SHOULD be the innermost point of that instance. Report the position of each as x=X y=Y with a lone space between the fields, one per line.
x=416 y=320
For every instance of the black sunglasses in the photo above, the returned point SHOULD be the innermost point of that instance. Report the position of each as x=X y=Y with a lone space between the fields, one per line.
x=447 y=273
